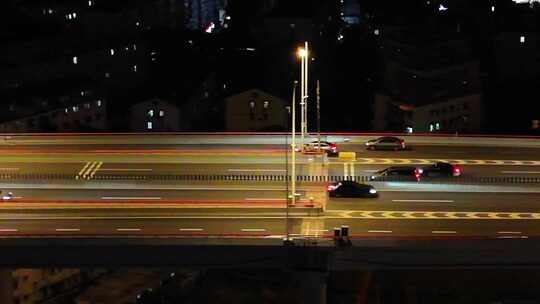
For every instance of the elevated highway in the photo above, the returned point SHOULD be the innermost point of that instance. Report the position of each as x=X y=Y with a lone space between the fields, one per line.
x=229 y=189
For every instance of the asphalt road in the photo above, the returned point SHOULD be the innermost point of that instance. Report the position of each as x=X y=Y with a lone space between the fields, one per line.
x=415 y=213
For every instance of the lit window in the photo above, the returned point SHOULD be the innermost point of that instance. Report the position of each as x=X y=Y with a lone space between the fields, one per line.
x=135 y=68
x=134 y=47
x=66 y=110
x=107 y=75
x=98 y=103
x=266 y=104
x=74 y=15
x=87 y=105
x=82 y=93
x=522 y=39
x=409 y=130
x=51 y=11
x=376 y=32
x=75 y=60
x=161 y=113
x=137 y=23
x=149 y=125
x=112 y=52
x=437 y=126
x=68 y=16
x=492 y=8
x=90 y=2
x=75 y=109
x=150 y=113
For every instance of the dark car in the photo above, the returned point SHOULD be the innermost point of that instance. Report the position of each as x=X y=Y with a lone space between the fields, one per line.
x=397 y=174
x=386 y=143
x=441 y=169
x=351 y=189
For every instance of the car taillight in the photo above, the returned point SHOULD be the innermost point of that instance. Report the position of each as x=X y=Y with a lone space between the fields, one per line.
x=331 y=188
x=457 y=171
x=402 y=144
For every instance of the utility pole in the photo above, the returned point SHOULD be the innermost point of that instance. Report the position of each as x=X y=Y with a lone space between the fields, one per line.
x=293 y=150
x=306 y=91
x=318 y=115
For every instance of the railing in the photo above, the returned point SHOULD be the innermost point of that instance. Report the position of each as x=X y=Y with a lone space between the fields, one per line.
x=268 y=178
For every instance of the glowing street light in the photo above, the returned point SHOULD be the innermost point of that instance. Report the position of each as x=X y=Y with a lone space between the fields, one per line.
x=303 y=54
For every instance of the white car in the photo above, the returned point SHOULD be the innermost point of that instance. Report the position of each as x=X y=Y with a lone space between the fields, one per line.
x=6 y=197
x=328 y=147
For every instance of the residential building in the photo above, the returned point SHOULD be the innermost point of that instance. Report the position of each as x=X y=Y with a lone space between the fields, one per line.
x=89 y=116
x=255 y=110
x=428 y=84
x=154 y=116
x=206 y=15
x=350 y=11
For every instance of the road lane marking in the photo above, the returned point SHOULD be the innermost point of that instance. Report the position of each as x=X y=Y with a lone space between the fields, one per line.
x=352 y=169
x=513 y=237
x=423 y=201
x=128 y=229
x=95 y=170
x=125 y=169
x=345 y=170
x=509 y=232
x=191 y=229
x=380 y=231
x=257 y=170
x=443 y=232
x=253 y=229
x=520 y=172
x=9 y=169
x=8 y=230
x=129 y=198
x=67 y=229
x=87 y=171
x=263 y=199
x=82 y=170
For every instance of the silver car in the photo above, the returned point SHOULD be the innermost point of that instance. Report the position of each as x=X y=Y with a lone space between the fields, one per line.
x=386 y=143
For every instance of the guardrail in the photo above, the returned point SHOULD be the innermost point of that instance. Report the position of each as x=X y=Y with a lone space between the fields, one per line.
x=266 y=178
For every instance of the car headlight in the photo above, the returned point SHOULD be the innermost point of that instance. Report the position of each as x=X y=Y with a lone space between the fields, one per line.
x=372 y=191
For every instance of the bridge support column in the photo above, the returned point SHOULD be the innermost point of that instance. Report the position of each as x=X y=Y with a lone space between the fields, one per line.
x=6 y=286
x=313 y=286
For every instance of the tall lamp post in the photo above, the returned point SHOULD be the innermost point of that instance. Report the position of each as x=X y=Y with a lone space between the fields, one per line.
x=293 y=148
x=303 y=53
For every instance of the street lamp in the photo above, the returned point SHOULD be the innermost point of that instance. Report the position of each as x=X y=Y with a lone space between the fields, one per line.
x=303 y=54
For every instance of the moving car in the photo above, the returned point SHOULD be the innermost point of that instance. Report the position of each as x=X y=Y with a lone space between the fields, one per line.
x=386 y=143
x=441 y=169
x=351 y=189
x=398 y=174
x=6 y=197
x=328 y=147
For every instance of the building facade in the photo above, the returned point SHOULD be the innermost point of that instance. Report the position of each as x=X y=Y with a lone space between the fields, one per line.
x=255 y=110
x=428 y=84
x=154 y=116
x=89 y=116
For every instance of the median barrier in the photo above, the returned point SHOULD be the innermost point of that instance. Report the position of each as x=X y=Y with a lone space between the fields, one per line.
x=280 y=178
